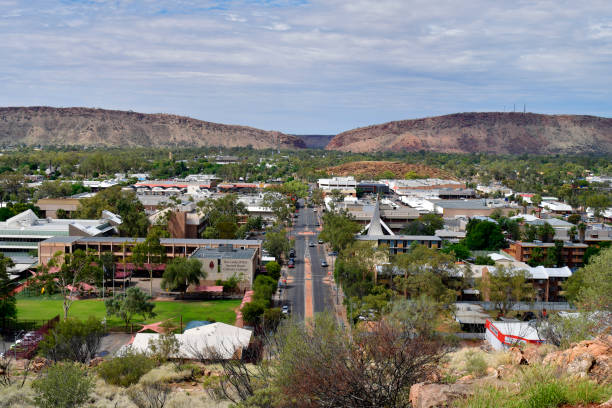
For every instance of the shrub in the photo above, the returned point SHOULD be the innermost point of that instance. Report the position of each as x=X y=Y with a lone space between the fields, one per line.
x=73 y=339
x=475 y=364
x=63 y=386
x=125 y=370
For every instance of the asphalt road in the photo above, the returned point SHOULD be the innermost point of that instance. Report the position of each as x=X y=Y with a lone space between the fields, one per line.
x=308 y=288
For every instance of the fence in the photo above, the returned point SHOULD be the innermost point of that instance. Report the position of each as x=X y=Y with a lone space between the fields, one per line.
x=27 y=347
x=524 y=306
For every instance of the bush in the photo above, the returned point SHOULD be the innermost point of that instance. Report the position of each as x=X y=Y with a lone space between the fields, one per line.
x=65 y=385
x=73 y=339
x=252 y=311
x=475 y=364
x=125 y=370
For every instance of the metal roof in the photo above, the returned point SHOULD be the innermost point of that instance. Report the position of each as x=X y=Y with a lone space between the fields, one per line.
x=216 y=253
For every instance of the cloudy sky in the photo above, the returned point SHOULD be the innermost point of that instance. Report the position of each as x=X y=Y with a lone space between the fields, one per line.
x=300 y=66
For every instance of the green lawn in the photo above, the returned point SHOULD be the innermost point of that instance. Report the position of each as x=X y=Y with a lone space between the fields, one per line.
x=217 y=310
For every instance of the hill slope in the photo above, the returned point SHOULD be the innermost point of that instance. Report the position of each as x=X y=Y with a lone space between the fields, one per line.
x=315 y=141
x=495 y=132
x=84 y=126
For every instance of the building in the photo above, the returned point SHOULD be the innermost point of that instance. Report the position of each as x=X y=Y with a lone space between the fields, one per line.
x=556 y=207
x=211 y=341
x=371 y=187
x=227 y=262
x=346 y=185
x=393 y=216
x=23 y=232
x=50 y=206
x=379 y=233
x=121 y=247
x=572 y=254
x=407 y=187
x=506 y=334
x=472 y=208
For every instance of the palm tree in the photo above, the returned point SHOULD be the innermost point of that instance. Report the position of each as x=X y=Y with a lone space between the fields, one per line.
x=182 y=272
x=582 y=229
x=572 y=233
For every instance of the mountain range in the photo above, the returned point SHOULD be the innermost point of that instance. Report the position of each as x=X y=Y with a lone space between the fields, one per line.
x=494 y=132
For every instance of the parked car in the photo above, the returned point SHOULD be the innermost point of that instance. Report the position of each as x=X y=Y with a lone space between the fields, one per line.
x=332 y=253
x=285 y=310
x=311 y=244
x=320 y=241
x=324 y=264
x=291 y=264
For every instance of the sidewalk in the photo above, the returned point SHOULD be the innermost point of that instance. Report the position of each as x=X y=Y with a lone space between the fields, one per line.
x=337 y=298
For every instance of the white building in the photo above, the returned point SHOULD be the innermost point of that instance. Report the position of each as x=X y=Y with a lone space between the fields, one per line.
x=216 y=340
x=506 y=334
x=347 y=185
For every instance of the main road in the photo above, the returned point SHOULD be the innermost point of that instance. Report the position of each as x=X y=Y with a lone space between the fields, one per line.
x=309 y=285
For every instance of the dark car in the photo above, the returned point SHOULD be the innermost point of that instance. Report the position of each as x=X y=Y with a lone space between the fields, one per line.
x=332 y=253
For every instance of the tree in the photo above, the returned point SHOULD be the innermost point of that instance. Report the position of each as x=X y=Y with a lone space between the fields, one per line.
x=596 y=292
x=574 y=219
x=573 y=233
x=546 y=232
x=66 y=272
x=74 y=339
x=536 y=200
x=280 y=206
x=65 y=385
x=273 y=269
x=426 y=271
x=149 y=253
x=459 y=250
x=223 y=215
x=126 y=305
x=182 y=272
x=317 y=197
x=484 y=235
x=276 y=242
x=426 y=224
x=598 y=203
x=8 y=304
x=339 y=229
x=505 y=287
x=321 y=365
x=124 y=203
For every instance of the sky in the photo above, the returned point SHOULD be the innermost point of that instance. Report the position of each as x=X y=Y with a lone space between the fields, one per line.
x=308 y=66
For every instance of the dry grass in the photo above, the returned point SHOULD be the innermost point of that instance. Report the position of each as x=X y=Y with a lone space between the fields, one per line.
x=166 y=373
x=457 y=362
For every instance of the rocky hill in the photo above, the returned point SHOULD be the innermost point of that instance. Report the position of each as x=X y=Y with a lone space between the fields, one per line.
x=99 y=127
x=316 y=141
x=495 y=132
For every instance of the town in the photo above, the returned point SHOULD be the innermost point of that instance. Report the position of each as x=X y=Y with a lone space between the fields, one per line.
x=115 y=268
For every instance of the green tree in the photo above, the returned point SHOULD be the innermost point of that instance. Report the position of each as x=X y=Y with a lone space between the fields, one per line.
x=65 y=385
x=280 y=206
x=426 y=224
x=133 y=302
x=8 y=304
x=546 y=232
x=598 y=203
x=149 y=253
x=73 y=339
x=595 y=295
x=484 y=235
x=317 y=197
x=276 y=243
x=273 y=269
x=182 y=272
x=66 y=272
x=506 y=287
x=458 y=249
x=574 y=219
x=339 y=229
x=426 y=271
x=124 y=203
x=223 y=215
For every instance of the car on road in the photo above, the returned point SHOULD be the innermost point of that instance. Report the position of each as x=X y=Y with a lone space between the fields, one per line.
x=291 y=264
x=324 y=264
x=292 y=254
x=311 y=244
x=320 y=241
x=332 y=253
x=285 y=310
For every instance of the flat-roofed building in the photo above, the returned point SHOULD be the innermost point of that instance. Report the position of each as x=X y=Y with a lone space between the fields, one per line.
x=346 y=185
x=471 y=208
x=572 y=254
x=226 y=262
x=121 y=247
x=50 y=206
x=23 y=232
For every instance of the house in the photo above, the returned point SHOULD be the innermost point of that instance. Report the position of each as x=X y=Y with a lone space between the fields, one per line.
x=209 y=342
x=407 y=187
x=505 y=334
x=557 y=207
x=50 y=206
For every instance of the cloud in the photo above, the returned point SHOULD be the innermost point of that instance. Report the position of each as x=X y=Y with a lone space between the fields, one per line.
x=317 y=66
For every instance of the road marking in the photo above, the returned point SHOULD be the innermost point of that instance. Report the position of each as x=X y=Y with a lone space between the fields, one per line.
x=308 y=295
